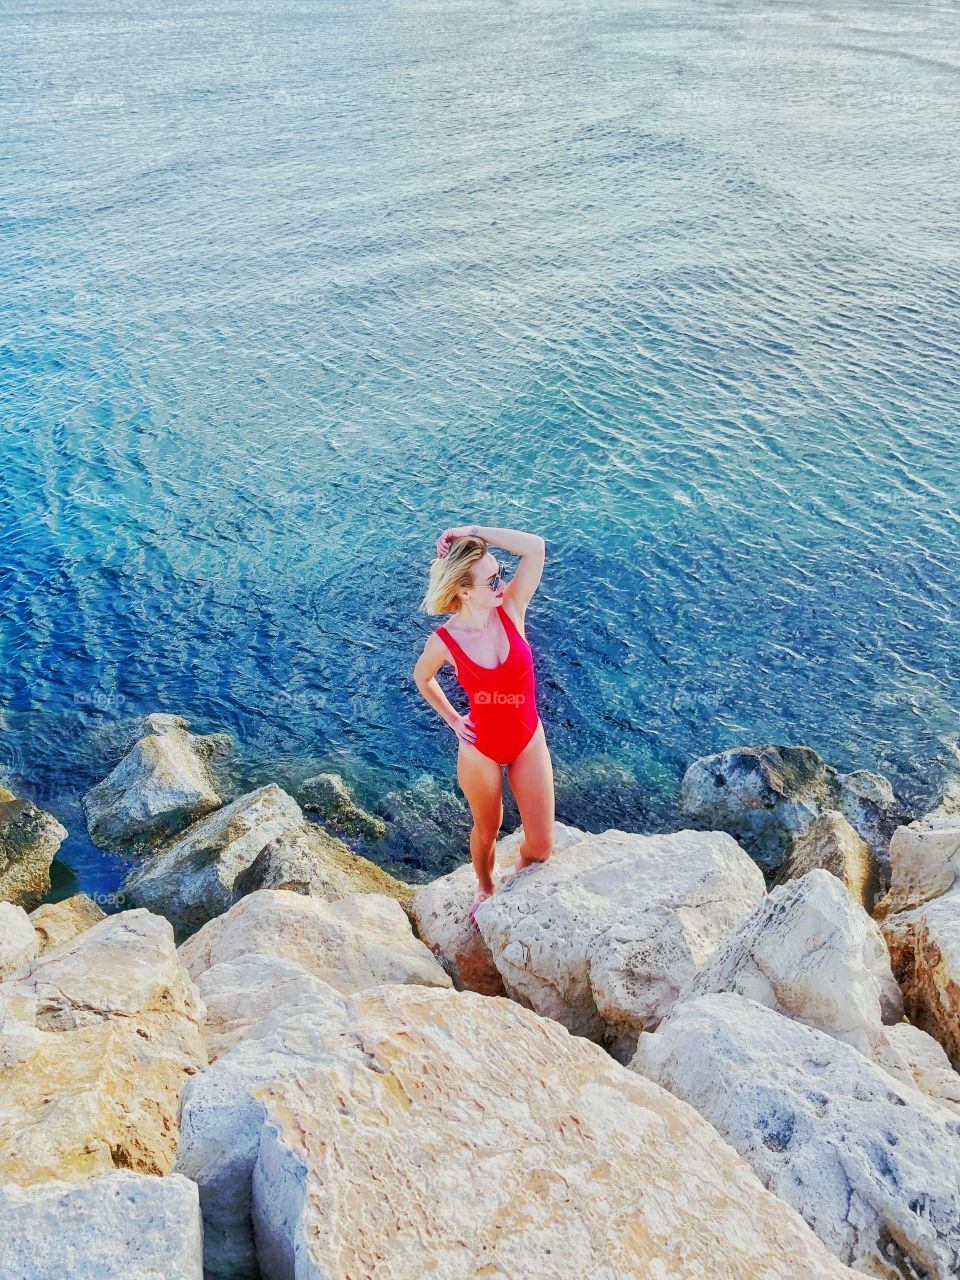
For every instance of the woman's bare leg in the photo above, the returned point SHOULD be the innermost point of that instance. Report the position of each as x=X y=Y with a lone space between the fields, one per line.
x=482 y=784
x=531 y=781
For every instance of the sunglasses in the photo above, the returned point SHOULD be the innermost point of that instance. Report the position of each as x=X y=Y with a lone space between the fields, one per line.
x=498 y=580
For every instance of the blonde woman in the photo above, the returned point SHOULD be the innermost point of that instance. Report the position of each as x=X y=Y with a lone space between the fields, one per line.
x=488 y=651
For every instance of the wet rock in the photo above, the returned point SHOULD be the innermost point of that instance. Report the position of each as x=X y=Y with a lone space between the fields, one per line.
x=871 y=1164
x=29 y=839
x=603 y=935
x=767 y=796
x=97 y=1038
x=809 y=951
x=328 y=795
x=164 y=783
x=122 y=1226
x=58 y=922
x=428 y=829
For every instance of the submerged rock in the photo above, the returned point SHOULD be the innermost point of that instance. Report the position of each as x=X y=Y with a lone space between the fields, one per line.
x=58 y=922
x=123 y=1226
x=29 y=839
x=603 y=934
x=328 y=795
x=871 y=1164
x=812 y=953
x=412 y=1131
x=163 y=783
x=767 y=796
x=428 y=829
x=97 y=1038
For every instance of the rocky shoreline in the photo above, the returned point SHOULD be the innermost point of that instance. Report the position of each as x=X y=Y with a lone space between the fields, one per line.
x=729 y=1050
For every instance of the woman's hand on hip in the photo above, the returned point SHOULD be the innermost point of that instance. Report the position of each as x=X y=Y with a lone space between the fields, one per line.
x=463 y=728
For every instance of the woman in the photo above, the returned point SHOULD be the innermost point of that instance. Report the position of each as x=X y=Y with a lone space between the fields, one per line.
x=493 y=662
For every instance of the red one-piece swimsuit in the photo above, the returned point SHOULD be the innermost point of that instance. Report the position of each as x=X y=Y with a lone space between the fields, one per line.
x=503 y=705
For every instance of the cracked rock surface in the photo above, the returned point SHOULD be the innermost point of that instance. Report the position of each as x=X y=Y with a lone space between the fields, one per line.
x=870 y=1163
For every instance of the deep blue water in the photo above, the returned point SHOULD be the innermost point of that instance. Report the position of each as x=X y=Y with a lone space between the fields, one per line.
x=289 y=287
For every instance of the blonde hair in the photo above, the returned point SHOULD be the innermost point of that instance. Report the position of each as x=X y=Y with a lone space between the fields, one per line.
x=449 y=576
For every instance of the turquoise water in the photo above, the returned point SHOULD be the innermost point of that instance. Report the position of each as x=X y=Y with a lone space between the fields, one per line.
x=290 y=287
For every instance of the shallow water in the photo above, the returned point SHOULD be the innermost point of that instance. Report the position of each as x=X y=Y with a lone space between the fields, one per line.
x=291 y=287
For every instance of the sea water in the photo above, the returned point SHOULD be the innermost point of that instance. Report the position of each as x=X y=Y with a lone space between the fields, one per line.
x=290 y=287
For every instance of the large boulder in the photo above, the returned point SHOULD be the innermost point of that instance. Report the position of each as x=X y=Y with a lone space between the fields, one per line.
x=604 y=934
x=769 y=795
x=356 y=942
x=97 y=1038
x=122 y=1226
x=29 y=839
x=439 y=912
x=307 y=860
x=239 y=994
x=18 y=942
x=191 y=880
x=57 y=922
x=871 y=1164
x=811 y=952
x=328 y=795
x=411 y=1130
x=831 y=843
x=160 y=786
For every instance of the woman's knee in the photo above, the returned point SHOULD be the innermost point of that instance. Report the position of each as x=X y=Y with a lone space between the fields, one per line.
x=536 y=850
x=486 y=832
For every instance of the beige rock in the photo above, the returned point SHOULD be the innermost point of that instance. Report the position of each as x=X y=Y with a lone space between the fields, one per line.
x=18 y=942
x=359 y=941
x=456 y=1135
x=439 y=911
x=834 y=845
x=603 y=935
x=97 y=1038
x=163 y=783
x=239 y=994
x=925 y=954
x=811 y=952
x=924 y=862
x=58 y=922
x=123 y=1226
x=29 y=839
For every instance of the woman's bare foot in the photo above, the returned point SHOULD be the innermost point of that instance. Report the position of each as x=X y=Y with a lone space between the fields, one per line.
x=481 y=896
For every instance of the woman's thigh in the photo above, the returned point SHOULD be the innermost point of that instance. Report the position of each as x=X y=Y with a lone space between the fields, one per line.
x=482 y=784
x=531 y=781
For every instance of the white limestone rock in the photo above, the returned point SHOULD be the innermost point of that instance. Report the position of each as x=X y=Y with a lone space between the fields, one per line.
x=123 y=1226
x=602 y=936
x=449 y=1134
x=811 y=952
x=18 y=942
x=358 y=941
x=871 y=1164
x=439 y=911
x=924 y=862
x=915 y=1057
x=57 y=922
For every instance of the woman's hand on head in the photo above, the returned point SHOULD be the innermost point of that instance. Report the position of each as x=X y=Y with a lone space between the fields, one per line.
x=448 y=536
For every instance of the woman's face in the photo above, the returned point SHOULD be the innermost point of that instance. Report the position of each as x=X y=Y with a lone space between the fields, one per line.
x=487 y=582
